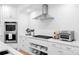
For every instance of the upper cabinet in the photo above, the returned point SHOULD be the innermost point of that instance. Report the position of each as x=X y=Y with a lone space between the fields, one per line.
x=8 y=12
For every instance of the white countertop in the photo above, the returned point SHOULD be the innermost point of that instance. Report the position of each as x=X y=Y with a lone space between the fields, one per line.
x=12 y=51
x=73 y=43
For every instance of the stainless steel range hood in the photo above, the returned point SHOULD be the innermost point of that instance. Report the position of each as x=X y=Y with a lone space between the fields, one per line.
x=44 y=14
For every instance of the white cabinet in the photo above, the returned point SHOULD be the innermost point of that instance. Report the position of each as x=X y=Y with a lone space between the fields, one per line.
x=62 y=49
x=54 y=48
x=36 y=44
x=38 y=41
x=24 y=43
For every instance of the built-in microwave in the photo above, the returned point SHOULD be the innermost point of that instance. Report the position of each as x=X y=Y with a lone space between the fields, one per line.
x=67 y=36
x=10 y=26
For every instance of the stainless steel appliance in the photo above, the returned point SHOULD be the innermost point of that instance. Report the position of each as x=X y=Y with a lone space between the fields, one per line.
x=67 y=36
x=44 y=15
x=43 y=36
x=10 y=32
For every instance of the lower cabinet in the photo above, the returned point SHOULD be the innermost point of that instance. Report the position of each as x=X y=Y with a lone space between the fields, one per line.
x=37 y=46
x=41 y=47
x=57 y=51
x=53 y=50
x=62 y=49
x=25 y=45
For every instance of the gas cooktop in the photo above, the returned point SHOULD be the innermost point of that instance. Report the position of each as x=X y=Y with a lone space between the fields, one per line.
x=43 y=36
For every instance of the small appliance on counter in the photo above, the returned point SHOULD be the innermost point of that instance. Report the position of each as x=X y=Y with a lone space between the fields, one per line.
x=30 y=32
x=56 y=35
x=67 y=36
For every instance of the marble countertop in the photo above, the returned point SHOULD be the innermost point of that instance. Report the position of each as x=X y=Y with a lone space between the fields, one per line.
x=73 y=43
x=12 y=51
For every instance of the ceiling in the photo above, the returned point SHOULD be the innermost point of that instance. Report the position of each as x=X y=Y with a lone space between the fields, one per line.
x=31 y=7
x=28 y=8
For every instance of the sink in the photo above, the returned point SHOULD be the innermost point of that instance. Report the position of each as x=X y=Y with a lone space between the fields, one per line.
x=43 y=36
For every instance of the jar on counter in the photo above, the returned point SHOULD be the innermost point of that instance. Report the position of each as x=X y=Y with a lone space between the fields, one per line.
x=56 y=35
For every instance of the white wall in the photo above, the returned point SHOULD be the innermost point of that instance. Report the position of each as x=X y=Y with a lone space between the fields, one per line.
x=22 y=25
x=66 y=17
x=10 y=13
x=7 y=14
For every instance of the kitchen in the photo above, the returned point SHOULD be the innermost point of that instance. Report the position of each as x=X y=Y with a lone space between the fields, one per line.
x=37 y=29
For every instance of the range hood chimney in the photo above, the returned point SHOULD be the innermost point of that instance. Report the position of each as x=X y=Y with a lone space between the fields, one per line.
x=44 y=15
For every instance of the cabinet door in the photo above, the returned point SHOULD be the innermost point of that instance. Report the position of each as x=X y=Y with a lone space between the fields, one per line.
x=20 y=41
x=26 y=44
x=61 y=49
x=52 y=50
x=68 y=48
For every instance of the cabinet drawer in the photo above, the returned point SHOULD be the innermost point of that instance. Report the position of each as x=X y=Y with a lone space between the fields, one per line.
x=56 y=45
x=66 y=47
x=58 y=51
x=64 y=52
x=69 y=48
